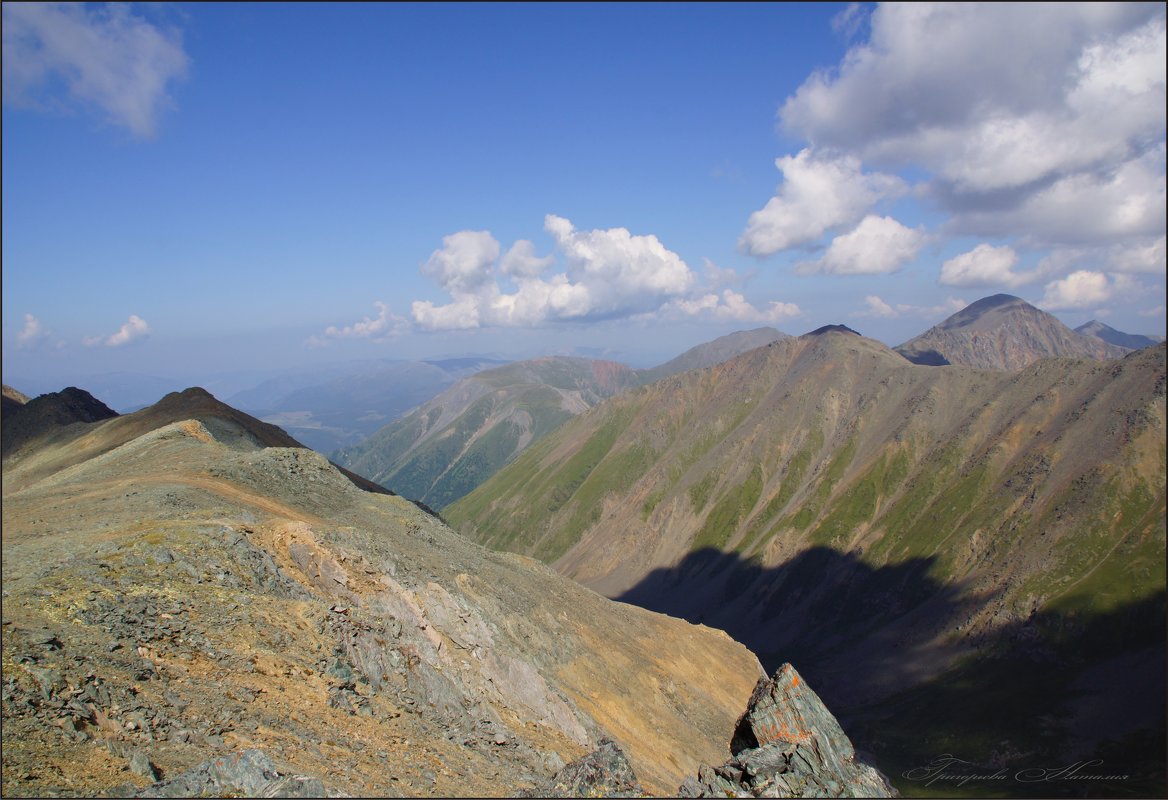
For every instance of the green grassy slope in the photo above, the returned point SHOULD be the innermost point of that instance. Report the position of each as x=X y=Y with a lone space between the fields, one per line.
x=448 y=446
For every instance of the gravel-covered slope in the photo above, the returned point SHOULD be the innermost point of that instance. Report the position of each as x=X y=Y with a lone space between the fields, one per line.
x=185 y=593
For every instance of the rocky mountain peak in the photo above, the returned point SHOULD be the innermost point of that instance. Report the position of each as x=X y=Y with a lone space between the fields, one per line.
x=1002 y=332
x=1001 y=303
x=240 y=617
x=832 y=329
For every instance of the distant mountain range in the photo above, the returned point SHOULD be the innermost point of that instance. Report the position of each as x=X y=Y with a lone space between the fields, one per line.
x=449 y=445
x=1002 y=332
x=1110 y=335
x=962 y=559
x=345 y=404
x=918 y=539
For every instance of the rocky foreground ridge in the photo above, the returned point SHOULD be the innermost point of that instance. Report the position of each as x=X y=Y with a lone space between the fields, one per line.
x=191 y=606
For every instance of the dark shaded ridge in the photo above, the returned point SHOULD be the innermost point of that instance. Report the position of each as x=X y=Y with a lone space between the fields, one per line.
x=832 y=328
x=1036 y=693
x=197 y=402
x=42 y=415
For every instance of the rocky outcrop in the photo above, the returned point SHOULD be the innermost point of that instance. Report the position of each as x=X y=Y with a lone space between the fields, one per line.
x=249 y=773
x=605 y=772
x=788 y=744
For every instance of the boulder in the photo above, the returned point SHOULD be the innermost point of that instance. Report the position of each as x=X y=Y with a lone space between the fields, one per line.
x=788 y=744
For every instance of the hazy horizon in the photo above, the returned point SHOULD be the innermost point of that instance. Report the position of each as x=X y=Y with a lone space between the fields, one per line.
x=195 y=190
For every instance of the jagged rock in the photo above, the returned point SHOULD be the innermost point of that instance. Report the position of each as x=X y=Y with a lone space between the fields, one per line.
x=605 y=772
x=249 y=773
x=788 y=744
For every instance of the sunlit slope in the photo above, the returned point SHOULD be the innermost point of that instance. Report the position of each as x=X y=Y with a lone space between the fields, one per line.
x=1003 y=332
x=449 y=445
x=193 y=563
x=1036 y=483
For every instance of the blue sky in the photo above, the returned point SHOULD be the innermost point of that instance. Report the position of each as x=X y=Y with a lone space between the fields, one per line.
x=192 y=188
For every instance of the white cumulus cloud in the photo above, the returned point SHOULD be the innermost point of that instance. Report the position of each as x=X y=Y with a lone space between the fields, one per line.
x=522 y=262
x=622 y=272
x=607 y=273
x=818 y=194
x=876 y=246
x=132 y=330
x=1082 y=208
x=107 y=57
x=386 y=325
x=32 y=334
x=464 y=262
x=985 y=266
x=731 y=306
x=875 y=306
x=1044 y=123
x=1079 y=290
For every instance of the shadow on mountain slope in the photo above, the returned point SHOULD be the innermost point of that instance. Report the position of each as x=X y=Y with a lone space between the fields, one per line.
x=892 y=652
x=818 y=605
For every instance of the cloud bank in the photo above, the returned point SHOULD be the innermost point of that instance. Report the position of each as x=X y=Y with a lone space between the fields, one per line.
x=1038 y=128
x=108 y=58
x=606 y=274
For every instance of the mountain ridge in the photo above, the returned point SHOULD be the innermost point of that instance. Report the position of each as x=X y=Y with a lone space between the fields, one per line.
x=825 y=501
x=450 y=444
x=204 y=594
x=1110 y=335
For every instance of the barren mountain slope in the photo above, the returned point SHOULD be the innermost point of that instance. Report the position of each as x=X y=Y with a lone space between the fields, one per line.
x=451 y=444
x=176 y=590
x=1002 y=332
x=713 y=352
x=1131 y=341
x=874 y=521
x=12 y=399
